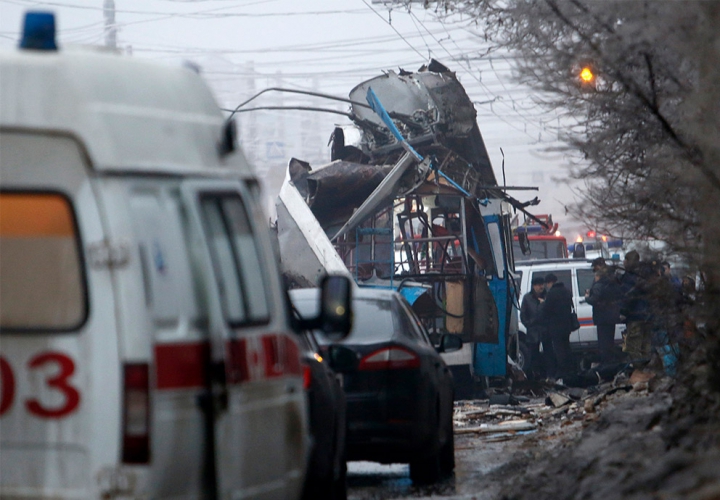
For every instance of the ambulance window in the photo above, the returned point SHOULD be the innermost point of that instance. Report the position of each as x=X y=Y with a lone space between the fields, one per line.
x=585 y=278
x=564 y=276
x=167 y=277
x=42 y=285
x=238 y=262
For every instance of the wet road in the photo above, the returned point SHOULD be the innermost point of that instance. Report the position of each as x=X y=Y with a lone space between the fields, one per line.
x=478 y=462
x=474 y=459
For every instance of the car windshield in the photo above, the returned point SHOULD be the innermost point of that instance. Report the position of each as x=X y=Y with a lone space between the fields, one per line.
x=372 y=320
x=541 y=249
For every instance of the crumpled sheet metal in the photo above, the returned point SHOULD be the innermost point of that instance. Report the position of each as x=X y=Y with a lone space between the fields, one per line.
x=335 y=190
x=429 y=107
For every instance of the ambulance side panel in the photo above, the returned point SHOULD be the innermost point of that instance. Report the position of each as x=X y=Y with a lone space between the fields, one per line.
x=164 y=326
x=60 y=367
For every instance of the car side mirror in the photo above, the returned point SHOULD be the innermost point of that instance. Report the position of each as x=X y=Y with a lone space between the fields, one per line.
x=341 y=358
x=335 y=318
x=449 y=343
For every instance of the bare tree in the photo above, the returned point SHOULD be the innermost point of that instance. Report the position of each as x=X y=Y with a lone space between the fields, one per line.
x=643 y=121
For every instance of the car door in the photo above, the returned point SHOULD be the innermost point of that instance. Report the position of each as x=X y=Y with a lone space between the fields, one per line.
x=59 y=407
x=259 y=424
x=565 y=277
x=584 y=278
x=438 y=371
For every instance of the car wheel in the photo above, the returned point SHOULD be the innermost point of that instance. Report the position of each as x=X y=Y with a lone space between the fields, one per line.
x=523 y=360
x=339 y=487
x=426 y=470
x=447 y=452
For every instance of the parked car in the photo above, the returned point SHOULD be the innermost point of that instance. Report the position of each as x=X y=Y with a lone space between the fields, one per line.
x=327 y=469
x=399 y=390
x=577 y=276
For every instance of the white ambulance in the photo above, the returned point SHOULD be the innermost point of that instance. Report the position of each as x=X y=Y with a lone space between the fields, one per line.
x=145 y=341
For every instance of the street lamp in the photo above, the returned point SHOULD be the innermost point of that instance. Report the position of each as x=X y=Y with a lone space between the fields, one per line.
x=587 y=75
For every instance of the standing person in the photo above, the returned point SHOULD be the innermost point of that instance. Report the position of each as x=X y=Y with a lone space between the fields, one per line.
x=604 y=296
x=555 y=316
x=635 y=307
x=530 y=317
x=672 y=279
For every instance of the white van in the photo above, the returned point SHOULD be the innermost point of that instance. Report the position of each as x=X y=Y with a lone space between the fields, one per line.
x=145 y=343
x=577 y=275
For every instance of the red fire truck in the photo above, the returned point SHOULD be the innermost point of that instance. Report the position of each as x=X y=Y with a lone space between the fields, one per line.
x=533 y=241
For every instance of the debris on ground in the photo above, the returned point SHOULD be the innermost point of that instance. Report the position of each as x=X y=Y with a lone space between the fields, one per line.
x=618 y=439
x=504 y=415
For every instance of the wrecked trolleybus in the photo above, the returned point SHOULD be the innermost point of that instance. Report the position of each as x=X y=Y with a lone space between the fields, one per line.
x=414 y=205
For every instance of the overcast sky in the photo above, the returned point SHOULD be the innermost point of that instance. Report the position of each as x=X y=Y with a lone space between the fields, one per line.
x=323 y=45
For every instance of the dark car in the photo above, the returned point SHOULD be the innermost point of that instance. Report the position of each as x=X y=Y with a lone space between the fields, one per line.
x=399 y=391
x=327 y=469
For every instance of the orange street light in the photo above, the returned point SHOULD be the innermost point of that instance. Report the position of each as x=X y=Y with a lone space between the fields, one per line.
x=586 y=75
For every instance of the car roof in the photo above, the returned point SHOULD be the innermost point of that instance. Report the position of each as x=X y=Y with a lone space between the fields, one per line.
x=358 y=293
x=554 y=263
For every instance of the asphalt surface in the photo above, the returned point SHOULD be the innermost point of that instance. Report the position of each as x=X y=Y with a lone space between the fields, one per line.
x=480 y=460
x=635 y=439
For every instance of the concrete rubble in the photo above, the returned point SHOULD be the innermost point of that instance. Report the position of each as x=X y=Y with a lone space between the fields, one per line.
x=561 y=405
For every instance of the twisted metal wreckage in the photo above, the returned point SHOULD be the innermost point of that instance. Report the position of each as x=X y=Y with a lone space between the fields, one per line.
x=416 y=207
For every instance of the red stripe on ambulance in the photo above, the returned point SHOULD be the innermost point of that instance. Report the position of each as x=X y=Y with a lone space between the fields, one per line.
x=182 y=365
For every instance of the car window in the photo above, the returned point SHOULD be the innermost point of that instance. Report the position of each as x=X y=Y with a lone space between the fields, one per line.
x=237 y=259
x=540 y=249
x=417 y=323
x=405 y=326
x=410 y=326
x=564 y=276
x=43 y=283
x=373 y=320
x=585 y=278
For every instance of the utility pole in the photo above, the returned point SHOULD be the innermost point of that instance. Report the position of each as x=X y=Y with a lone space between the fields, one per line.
x=110 y=26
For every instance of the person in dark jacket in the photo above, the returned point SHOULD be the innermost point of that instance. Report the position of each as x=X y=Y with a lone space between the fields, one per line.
x=555 y=316
x=535 y=330
x=604 y=296
x=635 y=307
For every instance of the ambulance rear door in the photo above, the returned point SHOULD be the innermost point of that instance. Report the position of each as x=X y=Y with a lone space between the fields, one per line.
x=59 y=367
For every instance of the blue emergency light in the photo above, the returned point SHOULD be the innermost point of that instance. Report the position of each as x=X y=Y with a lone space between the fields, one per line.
x=39 y=31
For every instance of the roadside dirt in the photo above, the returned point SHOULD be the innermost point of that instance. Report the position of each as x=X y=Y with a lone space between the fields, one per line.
x=639 y=444
x=640 y=436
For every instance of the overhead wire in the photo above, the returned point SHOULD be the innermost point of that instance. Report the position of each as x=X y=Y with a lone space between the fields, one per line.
x=475 y=78
x=85 y=33
x=393 y=27
x=492 y=66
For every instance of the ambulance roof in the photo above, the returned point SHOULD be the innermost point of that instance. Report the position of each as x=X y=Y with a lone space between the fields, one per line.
x=129 y=113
